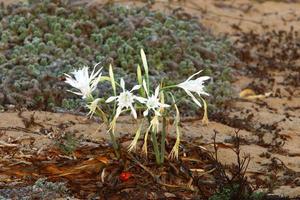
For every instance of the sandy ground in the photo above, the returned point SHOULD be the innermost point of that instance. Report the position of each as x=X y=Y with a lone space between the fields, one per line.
x=49 y=127
x=222 y=17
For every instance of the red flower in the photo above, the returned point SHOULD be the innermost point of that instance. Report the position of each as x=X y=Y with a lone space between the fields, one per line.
x=124 y=176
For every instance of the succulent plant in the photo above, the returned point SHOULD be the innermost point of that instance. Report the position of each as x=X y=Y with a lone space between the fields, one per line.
x=42 y=189
x=57 y=37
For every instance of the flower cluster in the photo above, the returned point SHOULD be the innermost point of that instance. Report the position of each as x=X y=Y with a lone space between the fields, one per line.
x=151 y=103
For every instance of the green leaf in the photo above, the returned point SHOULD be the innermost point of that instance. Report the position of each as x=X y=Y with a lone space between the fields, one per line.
x=145 y=64
x=104 y=78
x=139 y=75
x=112 y=79
x=140 y=80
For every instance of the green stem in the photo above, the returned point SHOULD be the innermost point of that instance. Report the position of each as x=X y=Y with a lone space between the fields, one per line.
x=103 y=116
x=168 y=87
x=148 y=83
x=115 y=144
x=155 y=146
x=163 y=140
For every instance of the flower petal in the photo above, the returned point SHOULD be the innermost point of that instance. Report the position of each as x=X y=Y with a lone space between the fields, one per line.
x=95 y=82
x=140 y=99
x=156 y=91
x=110 y=99
x=71 y=82
x=67 y=75
x=202 y=78
x=77 y=93
x=146 y=112
x=193 y=97
x=118 y=112
x=202 y=92
x=133 y=112
x=194 y=75
x=136 y=87
x=163 y=105
x=93 y=74
x=182 y=85
x=122 y=83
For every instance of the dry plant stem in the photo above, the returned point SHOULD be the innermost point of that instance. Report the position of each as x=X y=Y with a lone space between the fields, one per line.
x=163 y=140
x=205 y=120
x=4 y=144
x=156 y=178
x=215 y=145
x=218 y=165
x=20 y=129
x=100 y=113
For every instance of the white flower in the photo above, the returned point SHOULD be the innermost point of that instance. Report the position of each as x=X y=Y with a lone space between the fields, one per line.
x=84 y=82
x=125 y=99
x=153 y=103
x=196 y=86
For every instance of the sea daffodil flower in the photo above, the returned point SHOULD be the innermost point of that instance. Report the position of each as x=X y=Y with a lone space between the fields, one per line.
x=84 y=82
x=152 y=102
x=196 y=86
x=125 y=99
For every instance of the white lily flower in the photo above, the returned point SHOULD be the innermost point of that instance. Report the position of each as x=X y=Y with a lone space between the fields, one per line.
x=153 y=103
x=84 y=82
x=126 y=99
x=196 y=86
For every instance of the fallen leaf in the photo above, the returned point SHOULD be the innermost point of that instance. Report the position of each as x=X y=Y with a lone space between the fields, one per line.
x=92 y=165
x=53 y=169
x=246 y=92
x=197 y=170
x=4 y=144
x=169 y=195
x=251 y=95
x=222 y=145
x=102 y=159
